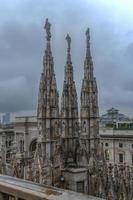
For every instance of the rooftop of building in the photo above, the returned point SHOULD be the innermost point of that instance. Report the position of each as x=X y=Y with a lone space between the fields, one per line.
x=113 y=114
x=115 y=120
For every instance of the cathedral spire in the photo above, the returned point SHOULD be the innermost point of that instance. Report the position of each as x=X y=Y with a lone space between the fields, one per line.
x=89 y=101
x=48 y=108
x=69 y=110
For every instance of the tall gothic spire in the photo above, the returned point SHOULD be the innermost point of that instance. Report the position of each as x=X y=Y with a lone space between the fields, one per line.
x=69 y=83
x=89 y=100
x=48 y=93
x=48 y=109
x=69 y=110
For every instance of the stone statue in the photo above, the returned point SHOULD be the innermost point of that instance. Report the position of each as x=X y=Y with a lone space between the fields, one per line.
x=47 y=27
x=88 y=34
x=68 y=39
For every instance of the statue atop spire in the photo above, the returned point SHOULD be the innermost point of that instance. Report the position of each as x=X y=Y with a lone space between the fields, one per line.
x=88 y=55
x=68 y=39
x=88 y=34
x=47 y=27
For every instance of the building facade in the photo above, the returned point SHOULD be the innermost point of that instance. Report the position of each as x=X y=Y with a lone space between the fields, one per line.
x=118 y=142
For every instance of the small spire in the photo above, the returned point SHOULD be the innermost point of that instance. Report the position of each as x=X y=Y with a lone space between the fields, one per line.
x=47 y=28
x=88 y=43
x=68 y=39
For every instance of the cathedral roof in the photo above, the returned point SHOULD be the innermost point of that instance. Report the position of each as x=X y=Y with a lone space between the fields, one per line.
x=29 y=189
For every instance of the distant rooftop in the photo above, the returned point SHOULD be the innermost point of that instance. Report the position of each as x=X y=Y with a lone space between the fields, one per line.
x=113 y=115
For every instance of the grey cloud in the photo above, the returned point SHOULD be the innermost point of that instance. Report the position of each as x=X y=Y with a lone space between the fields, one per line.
x=13 y=93
x=20 y=52
x=22 y=46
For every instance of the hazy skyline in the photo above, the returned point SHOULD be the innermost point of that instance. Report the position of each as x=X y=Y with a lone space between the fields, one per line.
x=22 y=45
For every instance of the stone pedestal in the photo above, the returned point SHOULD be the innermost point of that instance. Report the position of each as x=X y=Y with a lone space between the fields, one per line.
x=76 y=179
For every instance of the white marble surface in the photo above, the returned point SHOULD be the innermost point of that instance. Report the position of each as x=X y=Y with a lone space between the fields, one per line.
x=45 y=192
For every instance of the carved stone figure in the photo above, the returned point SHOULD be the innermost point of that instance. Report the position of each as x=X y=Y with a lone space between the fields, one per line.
x=47 y=27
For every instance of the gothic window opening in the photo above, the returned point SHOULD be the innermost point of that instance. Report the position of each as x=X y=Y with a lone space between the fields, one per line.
x=8 y=155
x=132 y=159
x=120 y=145
x=76 y=127
x=121 y=158
x=56 y=128
x=106 y=144
x=33 y=146
x=21 y=146
x=63 y=128
x=107 y=154
x=84 y=126
x=80 y=186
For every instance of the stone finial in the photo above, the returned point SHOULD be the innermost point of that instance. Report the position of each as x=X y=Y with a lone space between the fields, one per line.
x=88 y=43
x=47 y=28
x=68 y=39
x=88 y=34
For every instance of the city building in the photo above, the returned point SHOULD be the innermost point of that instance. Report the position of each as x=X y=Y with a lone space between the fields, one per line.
x=116 y=135
x=118 y=142
x=19 y=136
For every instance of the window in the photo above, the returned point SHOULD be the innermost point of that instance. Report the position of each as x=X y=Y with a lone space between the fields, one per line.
x=120 y=145
x=63 y=127
x=56 y=128
x=107 y=154
x=121 y=158
x=84 y=126
x=21 y=146
x=106 y=144
x=33 y=146
x=80 y=186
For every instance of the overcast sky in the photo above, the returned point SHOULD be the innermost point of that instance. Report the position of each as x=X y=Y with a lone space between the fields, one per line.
x=22 y=45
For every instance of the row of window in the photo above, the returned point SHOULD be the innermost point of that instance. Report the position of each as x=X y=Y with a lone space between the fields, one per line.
x=120 y=145
x=121 y=156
